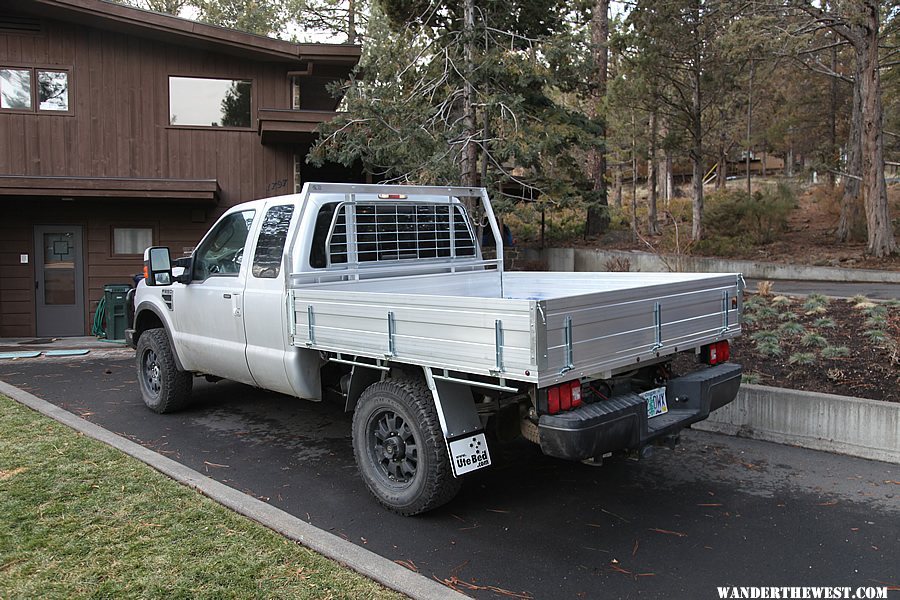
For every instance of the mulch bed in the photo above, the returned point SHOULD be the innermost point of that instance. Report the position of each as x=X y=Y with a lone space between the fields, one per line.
x=798 y=359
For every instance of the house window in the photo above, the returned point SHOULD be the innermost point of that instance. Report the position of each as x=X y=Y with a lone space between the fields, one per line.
x=295 y=93
x=131 y=240
x=24 y=88
x=298 y=172
x=199 y=102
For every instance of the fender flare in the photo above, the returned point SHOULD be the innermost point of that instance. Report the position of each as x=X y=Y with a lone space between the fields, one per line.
x=147 y=306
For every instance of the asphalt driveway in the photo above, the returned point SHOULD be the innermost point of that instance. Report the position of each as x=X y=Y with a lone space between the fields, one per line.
x=717 y=511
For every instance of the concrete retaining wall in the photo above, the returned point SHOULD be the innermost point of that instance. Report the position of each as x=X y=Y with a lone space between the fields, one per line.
x=854 y=426
x=586 y=259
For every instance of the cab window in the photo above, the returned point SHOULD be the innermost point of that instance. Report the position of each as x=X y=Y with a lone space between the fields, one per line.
x=272 y=237
x=222 y=252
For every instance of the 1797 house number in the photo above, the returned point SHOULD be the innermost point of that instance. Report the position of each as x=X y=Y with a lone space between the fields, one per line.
x=276 y=185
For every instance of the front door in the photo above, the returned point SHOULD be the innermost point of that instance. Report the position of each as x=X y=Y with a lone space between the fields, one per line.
x=59 y=280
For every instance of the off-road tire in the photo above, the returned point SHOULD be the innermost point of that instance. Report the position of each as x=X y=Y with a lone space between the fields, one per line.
x=164 y=388
x=432 y=483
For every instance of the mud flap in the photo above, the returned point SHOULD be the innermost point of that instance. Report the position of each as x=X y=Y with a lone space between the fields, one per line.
x=466 y=443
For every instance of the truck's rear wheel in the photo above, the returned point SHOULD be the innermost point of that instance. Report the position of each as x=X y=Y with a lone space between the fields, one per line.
x=163 y=387
x=400 y=449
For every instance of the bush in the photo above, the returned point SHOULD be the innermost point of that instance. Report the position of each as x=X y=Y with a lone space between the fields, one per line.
x=735 y=214
x=835 y=351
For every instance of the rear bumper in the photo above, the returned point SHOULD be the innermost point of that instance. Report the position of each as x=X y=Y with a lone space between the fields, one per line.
x=621 y=422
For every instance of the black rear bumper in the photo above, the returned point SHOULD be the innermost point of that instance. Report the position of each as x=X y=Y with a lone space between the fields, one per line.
x=621 y=422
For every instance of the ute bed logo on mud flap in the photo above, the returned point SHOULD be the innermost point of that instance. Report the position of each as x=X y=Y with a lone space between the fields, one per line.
x=469 y=454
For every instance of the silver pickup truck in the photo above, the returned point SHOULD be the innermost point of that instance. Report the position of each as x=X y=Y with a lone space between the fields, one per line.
x=380 y=297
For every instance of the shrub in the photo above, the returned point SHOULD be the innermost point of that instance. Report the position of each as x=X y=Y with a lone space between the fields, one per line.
x=814 y=339
x=876 y=335
x=752 y=303
x=792 y=327
x=876 y=321
x=733 y=213
x=765 y=337
x=766 y=312
x=781 y=301
x=769 y=348
x=802 y=358
x=765 y=287
x=815 y=301
x=824 y=323
x=751 y=378
x=835 y=351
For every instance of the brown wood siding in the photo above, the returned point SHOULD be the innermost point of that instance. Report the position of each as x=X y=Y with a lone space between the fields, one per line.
x=119 y=126
x=16 y=282
x=172 y=227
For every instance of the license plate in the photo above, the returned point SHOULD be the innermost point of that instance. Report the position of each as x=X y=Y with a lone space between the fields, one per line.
x=469 y=453
x=656 y=402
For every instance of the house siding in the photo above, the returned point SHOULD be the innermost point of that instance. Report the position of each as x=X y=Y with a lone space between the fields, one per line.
x=119 y=127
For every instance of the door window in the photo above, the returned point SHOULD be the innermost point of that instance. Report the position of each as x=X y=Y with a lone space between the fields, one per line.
x=222 y=252
x=59 y=268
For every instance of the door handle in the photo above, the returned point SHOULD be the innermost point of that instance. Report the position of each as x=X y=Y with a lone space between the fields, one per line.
x=226 y=296
x=36 y=285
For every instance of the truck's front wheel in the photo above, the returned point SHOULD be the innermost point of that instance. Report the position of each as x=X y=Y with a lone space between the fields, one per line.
x=163 y=387
x=400 y=449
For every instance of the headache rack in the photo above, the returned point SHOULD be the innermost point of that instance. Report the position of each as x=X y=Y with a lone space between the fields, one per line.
x=390 y=231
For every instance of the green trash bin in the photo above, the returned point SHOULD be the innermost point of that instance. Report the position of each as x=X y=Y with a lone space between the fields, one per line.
x=116 y=306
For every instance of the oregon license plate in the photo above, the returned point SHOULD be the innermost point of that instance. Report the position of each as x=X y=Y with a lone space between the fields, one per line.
x=656 y=402
x=469 y=453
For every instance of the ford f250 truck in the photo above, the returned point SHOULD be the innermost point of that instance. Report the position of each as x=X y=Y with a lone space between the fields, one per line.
x=381 y=297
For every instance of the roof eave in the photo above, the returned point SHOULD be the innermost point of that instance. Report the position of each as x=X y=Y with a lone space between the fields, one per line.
x=103 y=14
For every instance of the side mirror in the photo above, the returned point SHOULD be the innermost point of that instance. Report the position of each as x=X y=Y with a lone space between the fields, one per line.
x=182 y=269
x=157 y=266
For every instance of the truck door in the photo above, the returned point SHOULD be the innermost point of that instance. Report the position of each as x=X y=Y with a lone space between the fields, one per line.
x=210 y=310
x=265 y=320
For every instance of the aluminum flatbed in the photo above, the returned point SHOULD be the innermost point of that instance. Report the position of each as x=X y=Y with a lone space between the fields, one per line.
x=534 y=327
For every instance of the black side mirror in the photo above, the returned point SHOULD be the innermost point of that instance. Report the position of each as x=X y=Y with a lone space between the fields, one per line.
x=186 y=263
x=157 y=266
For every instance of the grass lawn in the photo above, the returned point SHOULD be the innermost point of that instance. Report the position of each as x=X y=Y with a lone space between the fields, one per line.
x=80 y=519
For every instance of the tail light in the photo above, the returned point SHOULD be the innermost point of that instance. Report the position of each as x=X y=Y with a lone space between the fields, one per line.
x=716 y=353
x=565 y=396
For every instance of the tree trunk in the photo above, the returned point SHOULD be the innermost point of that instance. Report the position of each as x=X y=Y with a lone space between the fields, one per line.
x=666 y=178
x=697 y=153
x=634 y=177
x=762 y=163
x=351 y=22
x=833 y=161
x=881 y=240
x=722 y=165
x=470 y=149
x=617 y=185
x=597 y=214
x=670 y=177
x=789 y=161
x=652 y=228
x=850 y=199
x=749 y=128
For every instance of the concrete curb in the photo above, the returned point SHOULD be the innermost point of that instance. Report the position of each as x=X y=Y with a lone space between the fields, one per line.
x=365 y=562
x=853 y=426
x=587 y=259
